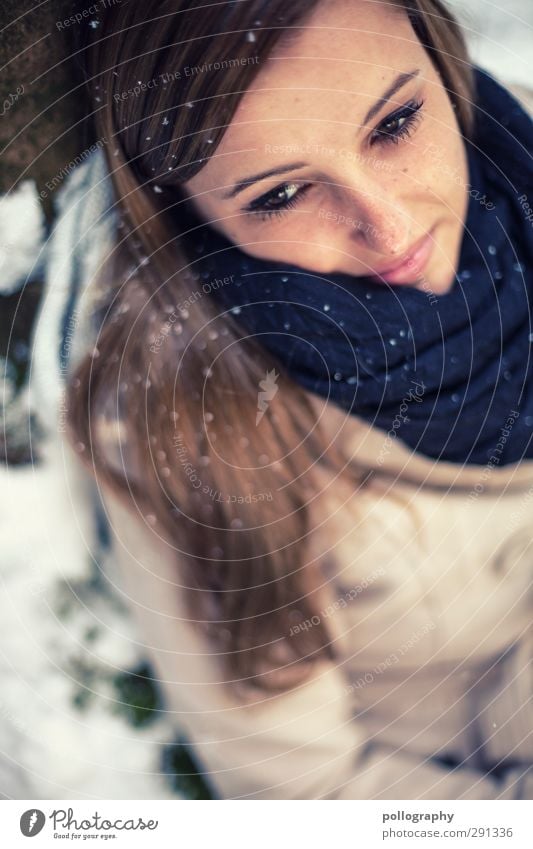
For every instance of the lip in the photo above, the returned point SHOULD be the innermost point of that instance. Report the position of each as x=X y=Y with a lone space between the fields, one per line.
x=407 y=269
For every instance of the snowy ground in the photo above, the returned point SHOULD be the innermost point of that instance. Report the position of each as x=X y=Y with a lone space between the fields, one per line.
x=62 y=639
x=63 y=730
x=500 y=36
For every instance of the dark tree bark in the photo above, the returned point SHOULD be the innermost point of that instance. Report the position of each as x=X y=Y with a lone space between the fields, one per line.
x=42 y=97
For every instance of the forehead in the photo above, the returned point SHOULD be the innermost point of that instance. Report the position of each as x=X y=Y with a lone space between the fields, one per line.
x=341 y=59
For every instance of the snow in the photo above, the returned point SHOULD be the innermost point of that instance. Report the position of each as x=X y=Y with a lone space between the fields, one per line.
x=50 y=748
x=22 y=229
x=499 y=36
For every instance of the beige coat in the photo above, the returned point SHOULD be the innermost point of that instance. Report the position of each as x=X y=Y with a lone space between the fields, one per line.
x=428 y=597
x=430 y=604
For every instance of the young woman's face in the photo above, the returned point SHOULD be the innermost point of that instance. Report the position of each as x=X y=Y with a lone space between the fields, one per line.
x=344 y=155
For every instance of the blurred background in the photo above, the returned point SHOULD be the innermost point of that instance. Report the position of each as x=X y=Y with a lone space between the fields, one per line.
x=500 y=36
x=80 y=714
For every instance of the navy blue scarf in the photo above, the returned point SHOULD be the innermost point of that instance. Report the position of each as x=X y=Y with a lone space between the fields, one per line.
x=454 y=370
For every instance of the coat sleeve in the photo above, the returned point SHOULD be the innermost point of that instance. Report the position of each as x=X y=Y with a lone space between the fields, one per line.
x=302 y=744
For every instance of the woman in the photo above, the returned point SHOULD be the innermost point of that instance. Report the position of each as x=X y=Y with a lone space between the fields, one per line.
x=297 y=409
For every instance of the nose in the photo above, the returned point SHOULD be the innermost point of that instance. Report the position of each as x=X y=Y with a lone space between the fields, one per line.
x=368 y=221
x=383 y=223
x=371 y=228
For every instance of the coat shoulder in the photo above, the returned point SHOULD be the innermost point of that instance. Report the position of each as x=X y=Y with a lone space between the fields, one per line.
x=524 y=95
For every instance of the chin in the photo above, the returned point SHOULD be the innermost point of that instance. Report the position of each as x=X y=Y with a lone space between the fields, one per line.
x=438 y=284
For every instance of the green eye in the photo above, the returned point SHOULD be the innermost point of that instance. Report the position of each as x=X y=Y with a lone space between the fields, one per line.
x=399 y=124
x=281 y=198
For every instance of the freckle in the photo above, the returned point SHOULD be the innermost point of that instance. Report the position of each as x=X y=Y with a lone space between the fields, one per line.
x=405 y=170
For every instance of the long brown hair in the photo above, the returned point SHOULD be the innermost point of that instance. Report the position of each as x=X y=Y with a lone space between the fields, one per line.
x=232 y=497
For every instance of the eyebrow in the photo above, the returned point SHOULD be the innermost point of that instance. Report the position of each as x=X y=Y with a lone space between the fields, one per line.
x=395 y=86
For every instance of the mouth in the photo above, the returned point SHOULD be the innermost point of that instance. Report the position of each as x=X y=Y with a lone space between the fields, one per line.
x=411 y=265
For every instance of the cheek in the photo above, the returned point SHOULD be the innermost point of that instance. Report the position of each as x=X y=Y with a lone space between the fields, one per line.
x=219 y=220
x=299 y=253
x=441 y=160
x=268 y=251
x=452 y=179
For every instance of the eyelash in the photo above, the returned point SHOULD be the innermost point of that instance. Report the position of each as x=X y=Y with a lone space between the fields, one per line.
x=411 y=112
